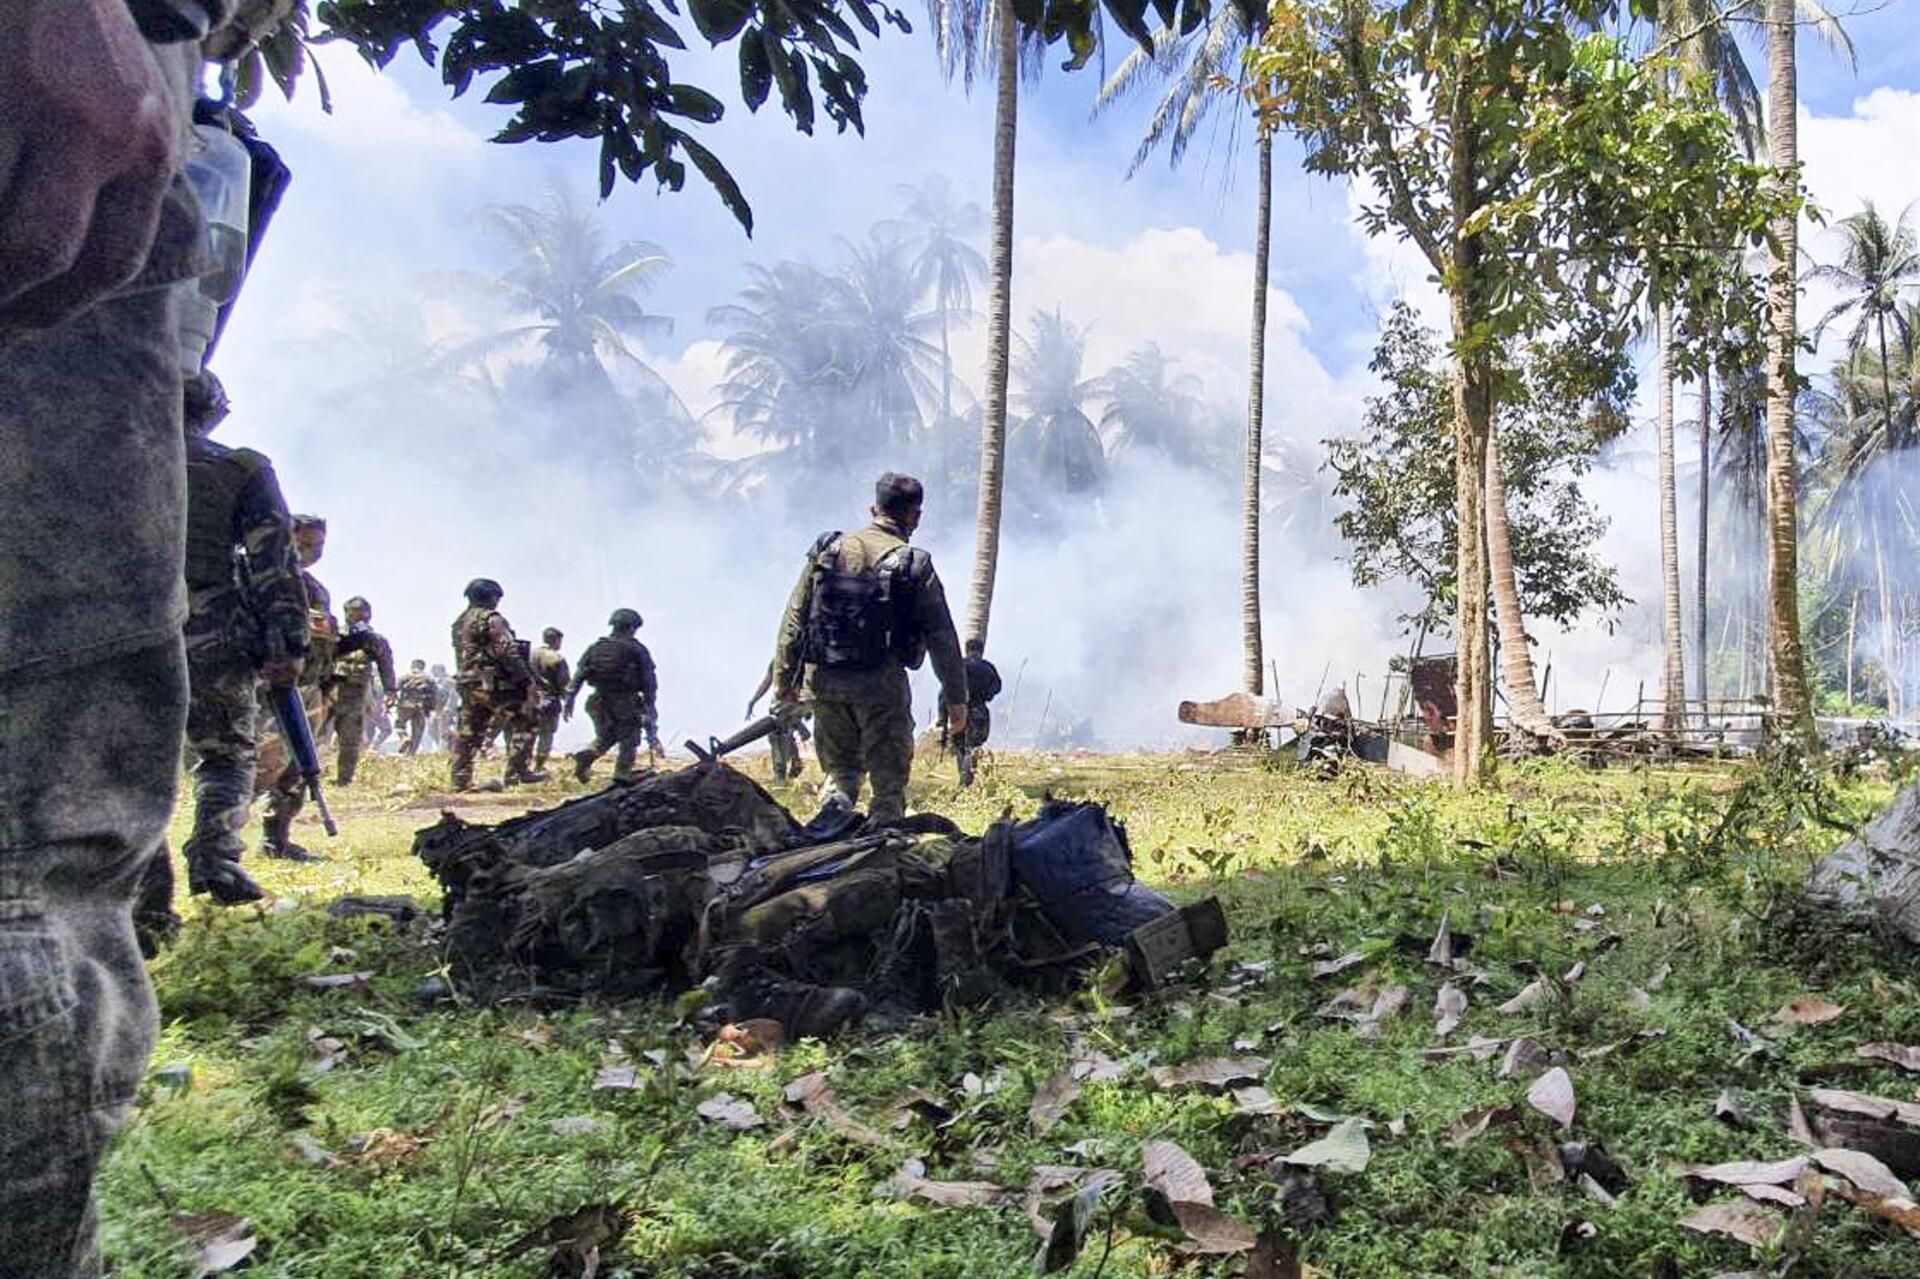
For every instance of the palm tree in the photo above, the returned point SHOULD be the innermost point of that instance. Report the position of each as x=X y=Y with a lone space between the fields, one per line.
x=884 y=337
x=1065 y=446
x=945 y=262
x=1198 y=68
x=782 y=372
x=958 y=29
x=1151 y=405
x=1878 y=262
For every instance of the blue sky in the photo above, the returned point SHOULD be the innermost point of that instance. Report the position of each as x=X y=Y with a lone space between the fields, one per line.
x=385 y=196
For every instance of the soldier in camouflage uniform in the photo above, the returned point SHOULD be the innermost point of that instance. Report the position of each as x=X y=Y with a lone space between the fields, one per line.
x=789 y=720
x=496 y=688
x=440 y=727
x=247 y=620
x=867 y=608
x=551 y=676
x=285 y=787
x=100 y=229
x=364 y=652
x=621 y=673
x=418 y=699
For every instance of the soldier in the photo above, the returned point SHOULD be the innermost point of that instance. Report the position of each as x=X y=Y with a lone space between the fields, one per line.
x=286 y=792
x=789 y=721
x=983 y=685
x=551 y=675
x=364 y=652
x=441 y=725
x=99 y=232
x=496 y=687
x=867 y=608
x=247 y=619
x=418 y=699
x=620 y=670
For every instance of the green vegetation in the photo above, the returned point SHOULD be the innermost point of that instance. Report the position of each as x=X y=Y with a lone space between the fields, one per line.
x=362 y=1134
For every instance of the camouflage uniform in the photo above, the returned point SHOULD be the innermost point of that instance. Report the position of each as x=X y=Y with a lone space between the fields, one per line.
x=620 y=670
x=93 y=700
x=285 y=786
x=419 y=698
x=362 y=653
x=551 y=675
x=983 y=685
x=440 y=727
x=494 y=679
x=863 y=719
x=233 y=501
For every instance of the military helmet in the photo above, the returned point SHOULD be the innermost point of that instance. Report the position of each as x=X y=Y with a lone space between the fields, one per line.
x=203 y=403
x=357 y=604
x=483 y=588
x=624 y=618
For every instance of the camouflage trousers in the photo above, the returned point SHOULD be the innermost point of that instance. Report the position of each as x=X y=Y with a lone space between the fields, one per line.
x=619 y=725
x=349 y=729
x=90 y=760
x=548 y=724
x=866 y=740
x=277 y=775
x=484 y=712
x=412 y=723
x=222 y=714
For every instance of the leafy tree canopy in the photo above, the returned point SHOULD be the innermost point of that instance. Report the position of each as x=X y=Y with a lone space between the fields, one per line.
x=600 y=68
x=1396 y=476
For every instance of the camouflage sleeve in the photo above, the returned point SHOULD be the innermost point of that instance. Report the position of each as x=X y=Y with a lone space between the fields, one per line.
x=943 y=643
x=383 y=658
x=579 y=676
x=505 y=650
x=789 y=650
x=264 y=529
x=649 y=677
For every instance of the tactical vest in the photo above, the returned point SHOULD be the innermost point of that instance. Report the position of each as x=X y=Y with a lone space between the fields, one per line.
x=860 y=621
x=356 y=668
x=473 y=659
x=417 y=692
x=216 y=477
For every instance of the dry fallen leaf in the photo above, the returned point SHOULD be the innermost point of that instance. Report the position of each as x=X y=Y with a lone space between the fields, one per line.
x=1175 y=1173
x=1449 y=1006
x=1766 y=1194
x=1210 y=1232
x=1810 y=1010
x=1747 y=1172
x=911 y=1182
x=1255 y=1100
x=1343 y=1149
x=1863 y=1170
x=1526 y=1058
x=1902 y=1055
x=1386 y=1006
x=337 y=981
x=221 y=1241
x=1219 y=1072
x=1552 y=1095
x=733 y=1112
x=1530 y=994
x=1898 y=1209
x=815 y=1096
x=1750 y=1224
x=384 y=1146
x=1473 y=1123
x=1859 y=1103
x=619 y=1074
x=1050 y=1101
x=1441 y=952
x=1332 y=966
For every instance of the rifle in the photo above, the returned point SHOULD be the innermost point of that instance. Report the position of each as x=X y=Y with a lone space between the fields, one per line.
x=716 y=747
x=291 y=715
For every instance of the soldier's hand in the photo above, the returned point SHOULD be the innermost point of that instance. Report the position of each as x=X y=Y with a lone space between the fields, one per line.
x=956 y=718
x=280 y=672
x=90 y=138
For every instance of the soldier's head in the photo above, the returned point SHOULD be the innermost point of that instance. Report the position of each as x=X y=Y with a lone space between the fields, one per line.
x=439 y=671
x=976 y=648
x=418 y=665
x=624 y=621
x=897 y=499
x=309 y=539
x=484 y=592
x=203 y=403
x=552 y=637
x=358 y=610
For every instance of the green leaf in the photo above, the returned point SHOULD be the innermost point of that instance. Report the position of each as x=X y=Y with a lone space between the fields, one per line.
x=720 y=20
x=694 y=103
x=756 y=73
x=723 y=184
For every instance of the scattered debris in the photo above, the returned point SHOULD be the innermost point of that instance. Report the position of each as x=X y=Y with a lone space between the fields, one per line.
x=1904 y=1056
x=1215 y=1073
x=1552 y=1095
x=221 y=1241
x=1474 y=1123
x=1810 y=1010
x=1526 y=1059
x=815 y=1096
x=577 y=1238
x=1176 y=1174
x=1877 y=872
x=729 y=1111
x=1748 y=1223
x=1530 y=994
x=1334 y=967
x=911 y=1182
x=1449 y=1006
x=1344 y=1149
x=1050 y=1101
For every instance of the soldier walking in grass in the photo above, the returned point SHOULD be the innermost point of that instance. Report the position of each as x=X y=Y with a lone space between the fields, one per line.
x=867 y=609
x=496 y=687
x=417 y=700
x=365 y=654
x=551 y=675
x=619 y=670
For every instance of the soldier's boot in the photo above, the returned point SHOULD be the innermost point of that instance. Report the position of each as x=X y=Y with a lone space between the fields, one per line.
x=221 y=879
x=526 y=777
x=582 y=765
x=154 y=923
x=963 y=760
x=805 y=1011
x=276 y=840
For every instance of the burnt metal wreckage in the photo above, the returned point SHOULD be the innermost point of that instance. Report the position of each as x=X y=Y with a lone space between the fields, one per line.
x=1417 y=737
x=699 y=876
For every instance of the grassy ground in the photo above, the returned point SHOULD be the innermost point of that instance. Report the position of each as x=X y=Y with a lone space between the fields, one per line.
x=361 y=1134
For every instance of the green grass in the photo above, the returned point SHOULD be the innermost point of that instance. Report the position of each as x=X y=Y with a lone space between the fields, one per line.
x=1694 y=871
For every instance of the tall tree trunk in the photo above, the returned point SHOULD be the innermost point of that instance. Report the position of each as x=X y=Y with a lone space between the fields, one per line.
x=1473 y=681
x=1791 y=702
x=993 y=424
x=1516 y=654
x=1700 y=555
x=1673 y=682
x=1853 y=631
x=1889 y=661
x=1253 y=658
x=946 y=366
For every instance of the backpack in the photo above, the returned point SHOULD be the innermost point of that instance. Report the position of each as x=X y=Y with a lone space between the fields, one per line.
x=860 y=621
